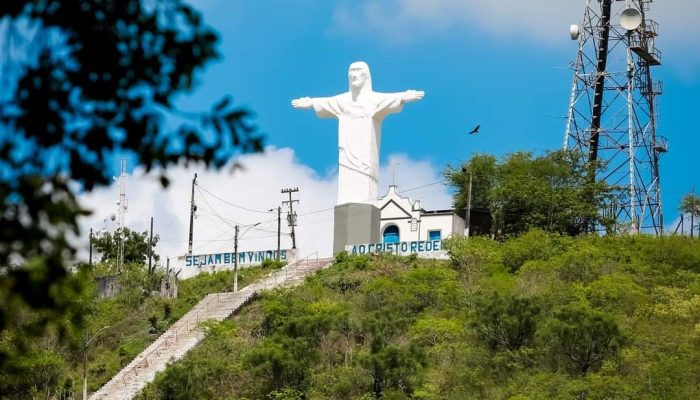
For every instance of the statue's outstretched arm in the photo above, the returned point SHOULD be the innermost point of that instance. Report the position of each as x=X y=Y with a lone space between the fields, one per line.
x=412 y=95
x=303 y=102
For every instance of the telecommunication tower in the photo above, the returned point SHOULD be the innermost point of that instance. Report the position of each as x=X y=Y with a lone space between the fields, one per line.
x=121 y=216
x=612 y=115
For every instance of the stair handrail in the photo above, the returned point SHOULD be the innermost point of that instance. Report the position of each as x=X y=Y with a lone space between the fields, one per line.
x=185 y=320
x=183 y=325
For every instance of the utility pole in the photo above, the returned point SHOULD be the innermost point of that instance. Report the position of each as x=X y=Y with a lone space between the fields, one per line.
x=193 y=208
x=150 y=249
x=469 y=205
x=235 y=260
x=279 y=228
x=90 y=259
x=469 y=202
x=235 y=252
x=85 y=347
x=291 y=216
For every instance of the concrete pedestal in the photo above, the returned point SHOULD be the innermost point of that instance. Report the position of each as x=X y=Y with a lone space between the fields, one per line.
x=355 y=223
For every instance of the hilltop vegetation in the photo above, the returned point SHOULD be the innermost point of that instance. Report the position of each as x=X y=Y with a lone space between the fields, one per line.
x=541 y=316
x=47 y=363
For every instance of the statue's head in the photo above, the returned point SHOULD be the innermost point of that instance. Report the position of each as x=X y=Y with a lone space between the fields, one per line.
x=359 y=76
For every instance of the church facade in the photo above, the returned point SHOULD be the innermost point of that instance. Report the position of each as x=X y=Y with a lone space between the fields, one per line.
x=404 y=220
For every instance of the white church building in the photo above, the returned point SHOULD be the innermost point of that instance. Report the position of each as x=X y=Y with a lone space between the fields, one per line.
x=403 y=220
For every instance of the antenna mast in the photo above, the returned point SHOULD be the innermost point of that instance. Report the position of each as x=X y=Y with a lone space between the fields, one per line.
x=121 y=215
x=612 y=109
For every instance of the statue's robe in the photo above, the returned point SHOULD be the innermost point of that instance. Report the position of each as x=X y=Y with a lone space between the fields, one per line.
x=359 y=139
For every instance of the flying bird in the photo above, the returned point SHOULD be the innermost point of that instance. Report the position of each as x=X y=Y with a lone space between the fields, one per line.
x=475 y=130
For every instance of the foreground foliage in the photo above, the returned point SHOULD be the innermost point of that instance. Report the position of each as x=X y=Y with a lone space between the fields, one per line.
x=83 y=83
x=568 y=318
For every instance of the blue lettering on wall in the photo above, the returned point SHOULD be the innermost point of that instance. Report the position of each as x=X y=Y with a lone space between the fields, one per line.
x=247 y=257
x=422 y=246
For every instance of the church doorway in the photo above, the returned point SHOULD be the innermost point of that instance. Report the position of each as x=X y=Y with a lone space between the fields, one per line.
x=391 y=234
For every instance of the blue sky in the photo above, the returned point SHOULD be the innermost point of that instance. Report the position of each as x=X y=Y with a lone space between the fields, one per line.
x=498 y=63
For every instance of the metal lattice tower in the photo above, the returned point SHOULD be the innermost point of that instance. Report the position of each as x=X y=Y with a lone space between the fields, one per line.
x=612 y=110
x=121 y=215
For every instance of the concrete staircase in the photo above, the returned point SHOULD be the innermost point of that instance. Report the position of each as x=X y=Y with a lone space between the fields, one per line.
x=185 y=333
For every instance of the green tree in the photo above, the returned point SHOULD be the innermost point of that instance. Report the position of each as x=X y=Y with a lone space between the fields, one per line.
x=690 y=204
x=389 y=365
x=505 y=322
x=550 y=192
x=579 y=339
x=281 y=361
x=136 y=247
x=95 y=80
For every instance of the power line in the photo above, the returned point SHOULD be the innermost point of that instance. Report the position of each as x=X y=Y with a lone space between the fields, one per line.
x=424 y=186
x=225 y=220
x=231 y=204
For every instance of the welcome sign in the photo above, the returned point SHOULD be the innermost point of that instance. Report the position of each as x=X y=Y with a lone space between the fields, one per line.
x=244 y=257
x=191 y=265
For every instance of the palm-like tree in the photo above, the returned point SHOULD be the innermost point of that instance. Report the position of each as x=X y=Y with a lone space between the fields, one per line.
x=690 y=204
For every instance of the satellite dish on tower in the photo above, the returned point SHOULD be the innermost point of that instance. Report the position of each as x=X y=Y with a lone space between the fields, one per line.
x=630 y=19
x=574 y=31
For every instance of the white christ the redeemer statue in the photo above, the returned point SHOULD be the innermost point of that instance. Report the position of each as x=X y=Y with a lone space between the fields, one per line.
x=360 y=113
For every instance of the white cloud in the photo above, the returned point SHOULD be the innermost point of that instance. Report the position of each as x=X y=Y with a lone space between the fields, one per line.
x=545 y=21
x=257 y=188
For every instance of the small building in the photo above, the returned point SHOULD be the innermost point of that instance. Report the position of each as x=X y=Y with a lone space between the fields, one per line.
x=403 y=220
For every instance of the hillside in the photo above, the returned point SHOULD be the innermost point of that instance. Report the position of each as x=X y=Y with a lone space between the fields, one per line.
x=50 y=365
x=536 y=317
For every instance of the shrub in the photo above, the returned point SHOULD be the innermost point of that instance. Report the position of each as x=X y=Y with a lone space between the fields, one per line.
x=533 y=245
x=505 y=322
x=579 y=339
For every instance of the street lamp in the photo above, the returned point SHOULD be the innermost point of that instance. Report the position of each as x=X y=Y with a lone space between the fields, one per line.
x=235 y=252
x=85 y=347
x=279 y=227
